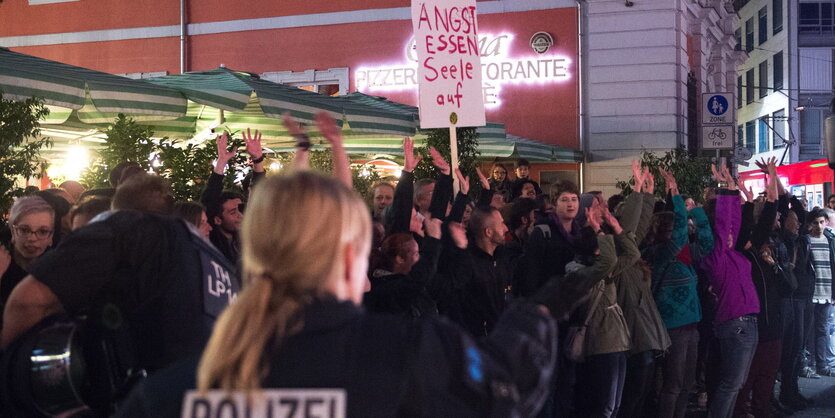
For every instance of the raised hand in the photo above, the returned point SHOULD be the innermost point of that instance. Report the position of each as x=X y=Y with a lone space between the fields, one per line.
x=463 y=182
x=432 y=226
x=224 y=155
x=439 y=162
x=410 y=159
x=253 y=144
x=748 y=193
x=670 y=181
x=638 y=175
x=610 y=219
x=332 y=133
x=301 y=160
x=729 y=178
x=485 y=184
x=593 y=215
x=649 y=181
x=328 y=128
x=293 y=128
x=458 y=234
x=717 y=174
x=761 y=163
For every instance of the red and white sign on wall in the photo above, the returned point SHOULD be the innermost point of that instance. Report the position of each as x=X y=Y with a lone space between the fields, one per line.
x=449 y=63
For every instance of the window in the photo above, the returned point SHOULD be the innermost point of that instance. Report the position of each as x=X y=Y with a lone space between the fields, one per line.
x=777 y=70
x=763 y=87
x=750 y=131
x=776 y=16
x=762 y=15
x=816 y=17
x=738 y=37
x=740 y=136
x=762 y=130
x=810 y=126
x=749 y=35
x=739 y=92
x=778 y=123
x=749 y=86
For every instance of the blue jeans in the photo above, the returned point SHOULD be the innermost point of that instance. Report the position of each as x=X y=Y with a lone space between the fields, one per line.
x=600 y=385
x=737 y=344
x=824 y=338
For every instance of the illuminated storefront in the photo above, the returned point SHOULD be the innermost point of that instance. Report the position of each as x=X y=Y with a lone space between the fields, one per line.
x=529 y=49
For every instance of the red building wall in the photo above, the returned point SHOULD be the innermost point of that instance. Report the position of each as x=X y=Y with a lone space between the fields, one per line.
x=545 y=111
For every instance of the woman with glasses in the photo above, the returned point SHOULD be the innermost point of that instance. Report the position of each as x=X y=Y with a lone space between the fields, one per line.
x=31 y=220
x=499 y=182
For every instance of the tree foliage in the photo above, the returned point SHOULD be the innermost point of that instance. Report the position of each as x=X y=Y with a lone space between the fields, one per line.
x=439 y=138
x=125 y=141
x=20 y=145
x=692 y=174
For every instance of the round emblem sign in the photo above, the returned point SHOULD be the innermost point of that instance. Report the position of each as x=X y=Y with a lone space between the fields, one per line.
x=541 y=41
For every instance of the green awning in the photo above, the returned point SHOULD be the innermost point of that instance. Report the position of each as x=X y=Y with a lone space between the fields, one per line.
x=91 y=95
x=238 y=100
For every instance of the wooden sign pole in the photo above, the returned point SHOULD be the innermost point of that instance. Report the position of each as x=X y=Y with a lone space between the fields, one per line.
x=453 y=152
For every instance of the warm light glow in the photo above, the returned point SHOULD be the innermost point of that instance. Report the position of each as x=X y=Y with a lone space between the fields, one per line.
x=275 y=166
x=71 y=167
x=497 y=69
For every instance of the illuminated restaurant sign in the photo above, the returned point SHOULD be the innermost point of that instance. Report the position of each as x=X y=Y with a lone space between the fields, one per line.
x=497 y=69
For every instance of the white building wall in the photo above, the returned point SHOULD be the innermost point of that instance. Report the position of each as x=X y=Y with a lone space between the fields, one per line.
x=764 y=107
x=636 y=69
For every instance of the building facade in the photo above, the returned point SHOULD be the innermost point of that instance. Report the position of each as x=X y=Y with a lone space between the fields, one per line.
x=648 y=64
x=615 y=76
x=766 y=93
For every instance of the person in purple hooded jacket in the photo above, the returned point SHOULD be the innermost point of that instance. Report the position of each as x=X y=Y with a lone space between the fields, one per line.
x=737 y=305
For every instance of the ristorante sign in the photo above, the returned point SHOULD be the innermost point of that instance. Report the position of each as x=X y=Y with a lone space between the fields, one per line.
x=498 y=69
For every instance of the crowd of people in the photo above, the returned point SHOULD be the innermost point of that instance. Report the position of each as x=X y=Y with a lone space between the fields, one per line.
x=421 y=302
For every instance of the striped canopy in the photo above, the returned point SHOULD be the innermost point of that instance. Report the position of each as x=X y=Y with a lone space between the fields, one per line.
x=238 y=100
x=90 y=96
x=493 y=140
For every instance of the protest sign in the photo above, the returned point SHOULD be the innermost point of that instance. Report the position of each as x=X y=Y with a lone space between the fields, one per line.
x=449 y=64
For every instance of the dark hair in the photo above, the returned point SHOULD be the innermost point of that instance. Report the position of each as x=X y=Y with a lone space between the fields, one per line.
x=394 y=245
x=521 y=209
x=189 y=211
x=216 y=209
x=816 y=213
x=661 y=223
x=518 y=185
x=478 y=219
x=90 y=207
x=614 y=201
x=115 y=176
x=144 y=192
x=500 y=165
x=522 y=162
x=563 y=186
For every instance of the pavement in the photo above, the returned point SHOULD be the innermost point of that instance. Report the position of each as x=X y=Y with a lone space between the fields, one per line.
x=821 y=391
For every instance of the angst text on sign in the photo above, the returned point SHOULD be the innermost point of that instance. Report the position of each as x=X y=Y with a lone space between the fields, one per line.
x=449 y=65
x=497 y=69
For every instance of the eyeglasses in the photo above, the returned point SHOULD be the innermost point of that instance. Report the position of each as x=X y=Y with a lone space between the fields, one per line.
x=25 y=231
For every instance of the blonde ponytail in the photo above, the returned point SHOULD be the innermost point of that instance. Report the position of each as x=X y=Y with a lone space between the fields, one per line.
x=293 y=236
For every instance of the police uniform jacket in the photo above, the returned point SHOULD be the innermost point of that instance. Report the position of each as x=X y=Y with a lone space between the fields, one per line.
x=388 y=366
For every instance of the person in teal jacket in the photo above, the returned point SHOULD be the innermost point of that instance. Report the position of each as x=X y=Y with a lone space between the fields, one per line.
x=674 y=289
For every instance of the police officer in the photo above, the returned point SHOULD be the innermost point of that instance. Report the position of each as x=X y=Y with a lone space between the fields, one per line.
x=298 y=325
x=145 y=278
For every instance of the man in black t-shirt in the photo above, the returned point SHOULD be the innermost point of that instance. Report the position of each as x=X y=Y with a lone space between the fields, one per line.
x=145 y=274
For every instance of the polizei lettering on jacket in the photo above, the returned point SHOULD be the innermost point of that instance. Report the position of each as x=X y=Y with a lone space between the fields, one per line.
x=268 y=403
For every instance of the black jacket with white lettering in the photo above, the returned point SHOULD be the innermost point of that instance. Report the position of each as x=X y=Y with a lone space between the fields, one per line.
x=391 y=367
